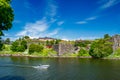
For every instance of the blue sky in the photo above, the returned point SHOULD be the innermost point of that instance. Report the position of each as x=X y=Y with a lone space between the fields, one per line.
x=65 y=19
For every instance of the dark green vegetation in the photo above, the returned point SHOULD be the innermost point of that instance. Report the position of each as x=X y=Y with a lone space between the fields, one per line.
x=101 y=48
x=6 y=17
x=83 y=52
x=19 y=46
x=83 y=46
x=98 y=48
x=27 y=46
x=35 y=48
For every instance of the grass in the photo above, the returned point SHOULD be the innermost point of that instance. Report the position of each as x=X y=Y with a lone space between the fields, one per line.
x=51 y=53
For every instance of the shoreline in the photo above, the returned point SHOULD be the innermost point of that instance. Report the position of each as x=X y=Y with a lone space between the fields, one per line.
x=36 y=56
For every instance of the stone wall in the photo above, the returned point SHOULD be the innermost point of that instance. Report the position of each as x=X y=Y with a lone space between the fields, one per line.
x=116 y=41
x=56 y=48
x=64 y=47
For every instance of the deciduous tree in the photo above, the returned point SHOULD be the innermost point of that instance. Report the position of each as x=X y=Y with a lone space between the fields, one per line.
x=6 y=16
x=101 y=48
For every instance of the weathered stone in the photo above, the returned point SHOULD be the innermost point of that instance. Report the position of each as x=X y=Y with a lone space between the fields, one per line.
x=116 y=42
x=64 y=47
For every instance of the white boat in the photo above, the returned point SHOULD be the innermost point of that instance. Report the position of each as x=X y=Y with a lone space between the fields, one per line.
x=41 y=66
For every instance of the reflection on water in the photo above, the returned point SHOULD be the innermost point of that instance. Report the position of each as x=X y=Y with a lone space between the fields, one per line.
x=24 y=68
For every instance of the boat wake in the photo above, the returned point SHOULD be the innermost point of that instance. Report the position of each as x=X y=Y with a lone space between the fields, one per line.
x=41 y=66
x=23 y=66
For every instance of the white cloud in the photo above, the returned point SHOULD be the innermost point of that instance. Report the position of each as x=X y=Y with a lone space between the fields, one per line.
x=33 y=29
x=86 y=20
x=108 y=3
x=51 y=8
x=60 y=23
x=39 y=28
x=81 y=22
x=91 y=18
x=54 y=32
x=52 y=20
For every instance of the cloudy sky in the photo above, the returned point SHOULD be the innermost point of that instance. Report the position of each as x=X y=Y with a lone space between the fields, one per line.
x=65 y=19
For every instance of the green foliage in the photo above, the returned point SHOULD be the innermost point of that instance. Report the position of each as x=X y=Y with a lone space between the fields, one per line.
x=48 y=52
x=82 y=43
x=14 y=46
x=83 y=52
x=26 y=37
x=35 y=48
x=50 y=43
x=100 y=48
x=1 y=45
x=24 y=44
x=7 y=41
x=6 y=16
x=6 y=47
x=117 y=52
x=107 y=36
x=20 y=48
x=57 y=41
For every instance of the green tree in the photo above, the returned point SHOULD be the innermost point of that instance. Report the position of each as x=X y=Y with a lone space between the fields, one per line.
x=39 y=48
x=20 y=48
x=107 y=36
x=7 y=41
x=47 y=42
x=6 y=16
x=57 y=41
x=31 y=48
x=117 y=52
x=1 y=45
x=14 y=46
x=26 y=37
x=82 y=52
x=24 y=44
x=35 y=48
x=80 y=43
x=101 y=48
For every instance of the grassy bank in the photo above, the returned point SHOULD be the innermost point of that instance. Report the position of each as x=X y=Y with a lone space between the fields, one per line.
x=47 y=52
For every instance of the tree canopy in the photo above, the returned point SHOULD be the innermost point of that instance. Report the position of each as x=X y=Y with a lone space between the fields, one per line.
x=101 y=48
x=107 y=36
x=6 y=16
x=35 y=48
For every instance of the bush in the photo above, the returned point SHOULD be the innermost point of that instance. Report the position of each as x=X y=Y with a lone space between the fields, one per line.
x=35 y=48
x=24 y=44
x=20 y=49
x=1 y=45
x=100 y=48
x=19 y=46
x=14 y=46
x=117 y=52
x=82 y=52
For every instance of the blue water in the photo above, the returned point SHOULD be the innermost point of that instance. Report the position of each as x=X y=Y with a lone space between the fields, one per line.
x=23 y=68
